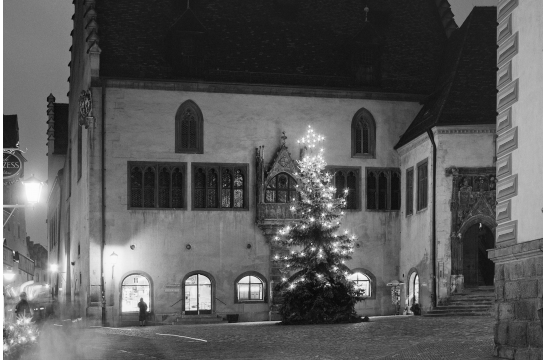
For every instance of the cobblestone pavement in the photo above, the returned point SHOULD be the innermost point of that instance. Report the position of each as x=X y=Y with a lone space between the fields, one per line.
x=386 y=337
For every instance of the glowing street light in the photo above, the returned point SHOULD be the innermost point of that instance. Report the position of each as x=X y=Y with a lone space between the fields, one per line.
x=33 y=190
x=9 y=275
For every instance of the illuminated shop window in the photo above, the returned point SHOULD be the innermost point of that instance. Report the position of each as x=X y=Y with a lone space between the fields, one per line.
x=362 y=283
x=250 y=288
x=198 y=295
x=133 y=288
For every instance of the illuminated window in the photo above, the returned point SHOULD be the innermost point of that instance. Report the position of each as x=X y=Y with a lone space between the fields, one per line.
x=250 y=287
x=281 y=189
x=133 y=288
x=198 y=295
x=362 y=284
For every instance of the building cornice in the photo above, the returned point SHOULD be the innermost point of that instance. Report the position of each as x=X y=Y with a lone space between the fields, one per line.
x=465 y=129
x=253 y=89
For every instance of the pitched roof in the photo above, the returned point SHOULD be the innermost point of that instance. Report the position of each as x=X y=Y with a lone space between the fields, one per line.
x=276 y=41
x=11 y=132
x=465 y=93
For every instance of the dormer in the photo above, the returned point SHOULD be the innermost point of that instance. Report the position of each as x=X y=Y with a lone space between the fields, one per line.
x=185 y=44
x=365 y=51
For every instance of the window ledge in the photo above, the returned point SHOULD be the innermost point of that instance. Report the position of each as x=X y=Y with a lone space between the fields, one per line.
x=250 y=302
x=160 y=209
x=364 y=156
x=381 y=210
x=221 y=209
x=421 y=210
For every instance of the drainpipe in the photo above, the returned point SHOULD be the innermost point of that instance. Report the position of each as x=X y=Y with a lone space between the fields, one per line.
x=103 y=205
x=433 y=236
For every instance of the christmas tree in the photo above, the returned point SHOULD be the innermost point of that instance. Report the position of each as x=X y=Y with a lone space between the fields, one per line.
x=314 y=286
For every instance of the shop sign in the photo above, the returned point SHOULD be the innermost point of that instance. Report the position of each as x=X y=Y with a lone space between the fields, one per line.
x=13 y=165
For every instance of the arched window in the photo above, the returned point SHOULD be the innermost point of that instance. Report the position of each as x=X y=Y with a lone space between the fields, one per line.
x=363 y=134
x=347 y=178
x=281 y=189
x=250 y=286
x=364 y=282
x=134 y=287
x=189 y=129
x=198 y=293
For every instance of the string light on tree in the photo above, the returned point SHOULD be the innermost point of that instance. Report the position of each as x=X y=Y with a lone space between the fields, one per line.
x=319 y=263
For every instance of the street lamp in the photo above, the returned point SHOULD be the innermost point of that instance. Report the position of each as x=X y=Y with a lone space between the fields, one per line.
x=9 y=275
x=33 y=189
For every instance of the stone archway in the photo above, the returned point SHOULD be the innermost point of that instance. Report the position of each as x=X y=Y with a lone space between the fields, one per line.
x=478 y=270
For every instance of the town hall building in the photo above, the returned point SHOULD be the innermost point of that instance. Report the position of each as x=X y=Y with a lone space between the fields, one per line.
x=178 y=151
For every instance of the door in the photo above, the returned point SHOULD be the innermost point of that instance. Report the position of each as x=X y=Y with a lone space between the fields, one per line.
x=478 y=269
x=198 y=295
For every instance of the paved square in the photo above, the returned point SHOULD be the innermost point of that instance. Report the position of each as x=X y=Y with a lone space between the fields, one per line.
x=386 y=337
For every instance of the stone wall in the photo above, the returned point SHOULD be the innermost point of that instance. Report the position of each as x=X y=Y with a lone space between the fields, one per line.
x=518 y=333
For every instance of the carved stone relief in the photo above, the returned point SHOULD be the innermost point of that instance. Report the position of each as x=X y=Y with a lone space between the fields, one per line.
x=473 y=200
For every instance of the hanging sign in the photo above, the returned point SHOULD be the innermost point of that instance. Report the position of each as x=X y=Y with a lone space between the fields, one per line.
x=13 y=166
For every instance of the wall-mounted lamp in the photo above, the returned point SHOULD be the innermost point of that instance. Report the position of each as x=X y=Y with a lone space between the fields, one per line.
x=188 y=247
x=132 y=247
x=9 y=275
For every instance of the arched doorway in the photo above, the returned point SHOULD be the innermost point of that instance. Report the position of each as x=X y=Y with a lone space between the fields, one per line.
x=478 y=270
x=197 y=294
x=413 y=289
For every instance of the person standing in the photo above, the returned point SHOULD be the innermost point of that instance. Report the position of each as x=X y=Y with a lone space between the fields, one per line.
x=22 y=308
x=143 y=309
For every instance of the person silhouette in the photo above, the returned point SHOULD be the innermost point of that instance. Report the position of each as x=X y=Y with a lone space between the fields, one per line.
x=142 y=314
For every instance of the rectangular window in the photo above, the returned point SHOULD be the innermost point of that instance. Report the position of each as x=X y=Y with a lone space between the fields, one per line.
x=422 y=199
x=383 y=189
x=347 y=178
x=153 y=185
x=79 y=151
x=219 y=186
x=410 y=191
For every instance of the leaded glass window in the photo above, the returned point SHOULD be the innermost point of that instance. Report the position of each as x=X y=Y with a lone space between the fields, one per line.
x=219 y=186
x=410 y=190
x=156 y=185
x=189 y=128
x=347 y=178
x=281 y=189
x=383 y=189
x=363 y=134
x=422 y=201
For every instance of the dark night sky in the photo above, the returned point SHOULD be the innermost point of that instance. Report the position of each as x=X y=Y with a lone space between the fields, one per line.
x=36 y=55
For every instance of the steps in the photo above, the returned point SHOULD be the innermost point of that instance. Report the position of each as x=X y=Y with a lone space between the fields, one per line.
x=471 y=302
x=198 y=319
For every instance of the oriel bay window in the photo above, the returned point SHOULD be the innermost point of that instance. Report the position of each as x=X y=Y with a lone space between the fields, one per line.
x=383 y=189
x=347 y=178
x=281 y=189
x=156 y=185
x=220 y=186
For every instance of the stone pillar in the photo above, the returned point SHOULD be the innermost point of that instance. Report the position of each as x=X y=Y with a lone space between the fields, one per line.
x=518 y=333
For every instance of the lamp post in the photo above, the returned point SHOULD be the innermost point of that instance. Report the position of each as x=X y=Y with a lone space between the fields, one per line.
x=33 y=189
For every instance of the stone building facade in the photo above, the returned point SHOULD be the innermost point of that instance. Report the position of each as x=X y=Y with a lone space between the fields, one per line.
x=181 y=148
x=518 y=254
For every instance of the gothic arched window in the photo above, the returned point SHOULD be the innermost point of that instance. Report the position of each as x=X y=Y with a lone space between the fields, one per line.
x=281 y=189
x=220 y=186
x=347 y=178
x=156 y=185
x=189 y=129
x=383 y=189
x=363 y=134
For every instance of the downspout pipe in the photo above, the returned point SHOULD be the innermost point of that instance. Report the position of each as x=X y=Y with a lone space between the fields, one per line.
x=103 y=204
x=433 y=225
